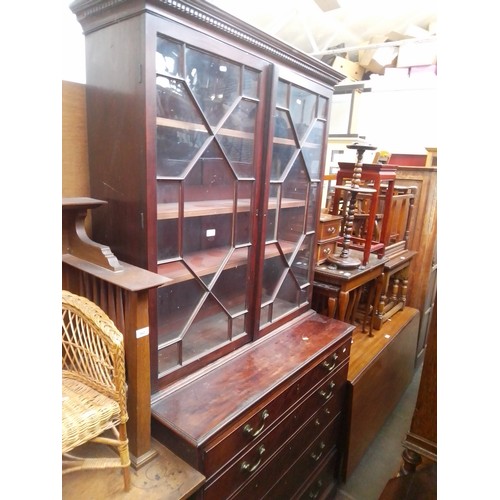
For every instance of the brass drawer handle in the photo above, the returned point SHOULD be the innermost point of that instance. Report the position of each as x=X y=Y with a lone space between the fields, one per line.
x=330 y=366
x=327 y=395
x=315 y=494
x=327 y=250
x=248 y=429
x=331 y=229
x=245 y=466
x=317 y=456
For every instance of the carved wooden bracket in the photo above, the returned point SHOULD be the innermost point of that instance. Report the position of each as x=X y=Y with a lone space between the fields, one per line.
x=75 y=240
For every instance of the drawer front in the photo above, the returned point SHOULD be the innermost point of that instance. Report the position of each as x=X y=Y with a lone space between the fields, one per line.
x=318 y=410
x=251 y=429
x=329 y=229
x=324 y=250
x=308 y=463
x=325 y=481
x=281 y=477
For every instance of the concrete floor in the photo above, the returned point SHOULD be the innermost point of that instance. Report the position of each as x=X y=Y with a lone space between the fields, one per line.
x=382 y=459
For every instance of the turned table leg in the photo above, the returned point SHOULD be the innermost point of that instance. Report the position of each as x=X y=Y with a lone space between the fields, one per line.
x=411 y=460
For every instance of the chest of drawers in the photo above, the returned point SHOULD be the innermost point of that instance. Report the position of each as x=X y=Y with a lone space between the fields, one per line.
x=266 y=422
x=328 y=233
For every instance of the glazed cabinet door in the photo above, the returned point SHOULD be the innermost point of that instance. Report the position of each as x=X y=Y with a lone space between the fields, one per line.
x=208 y=163
x=297 y=155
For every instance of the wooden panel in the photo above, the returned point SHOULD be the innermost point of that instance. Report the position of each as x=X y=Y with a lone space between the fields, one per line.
x=75 y=167
x=423 y=236
x=379 y=372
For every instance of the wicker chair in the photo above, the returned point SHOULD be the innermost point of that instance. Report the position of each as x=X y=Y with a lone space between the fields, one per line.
x=93 y=387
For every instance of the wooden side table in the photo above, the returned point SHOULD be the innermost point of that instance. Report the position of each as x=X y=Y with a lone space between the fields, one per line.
x=376 y=175
x=346 y=287
x=394 y=287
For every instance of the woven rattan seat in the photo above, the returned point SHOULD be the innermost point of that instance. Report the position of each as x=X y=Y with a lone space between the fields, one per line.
x=93 y=387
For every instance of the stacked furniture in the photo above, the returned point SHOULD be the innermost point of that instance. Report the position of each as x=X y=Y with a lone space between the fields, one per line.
x=371 y=238
x=381 y=226
x=206 y=138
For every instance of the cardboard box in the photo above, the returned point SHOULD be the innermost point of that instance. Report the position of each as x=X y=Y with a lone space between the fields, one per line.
x=417 y=71
x=422 y=53
x=348 y=68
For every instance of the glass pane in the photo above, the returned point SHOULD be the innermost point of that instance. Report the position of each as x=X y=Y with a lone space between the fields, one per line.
x=287 y=298
x=265 y=315
x=208 y=216
x=282 y=95
x=284 y=144
x=214 y=81
x=244 y=217
x=176 y=304
x=295 y=179
x=291 y=218
x=169 y=357
x=237 y=138
x=311 y=210
x=209 y=330
x=230 y=288
x=180 y=131
x=168 y=239
x=274 y=269
x=272 y=213
x=206 y=120
x=302 y=109
x=167 y=194
x=302 y=261
x=238 y=326
x=322 y=107
x=168 y=59
x=250 y=83
x=312 y=149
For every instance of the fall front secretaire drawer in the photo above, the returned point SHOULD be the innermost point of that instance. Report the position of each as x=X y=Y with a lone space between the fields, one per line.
x=250 y=428
x=203 y=420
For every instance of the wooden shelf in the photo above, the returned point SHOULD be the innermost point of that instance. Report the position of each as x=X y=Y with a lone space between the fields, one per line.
x=218 y=207
x=200 y=127
x=208 y=261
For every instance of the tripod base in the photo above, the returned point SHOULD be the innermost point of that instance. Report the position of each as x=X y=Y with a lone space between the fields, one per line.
x=344 y=262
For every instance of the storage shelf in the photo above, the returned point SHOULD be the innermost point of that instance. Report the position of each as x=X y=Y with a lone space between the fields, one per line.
x=200 y=127
x=217 y=207
x=208 y=261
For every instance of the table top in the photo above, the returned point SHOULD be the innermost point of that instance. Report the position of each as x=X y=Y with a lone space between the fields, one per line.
x=345 y=277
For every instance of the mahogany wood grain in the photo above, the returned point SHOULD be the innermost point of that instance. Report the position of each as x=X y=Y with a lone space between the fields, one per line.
x=380 y=369
x=284 y=388
x=201 y=407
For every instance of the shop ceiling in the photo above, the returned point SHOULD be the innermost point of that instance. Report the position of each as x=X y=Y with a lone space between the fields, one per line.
x=329 y=28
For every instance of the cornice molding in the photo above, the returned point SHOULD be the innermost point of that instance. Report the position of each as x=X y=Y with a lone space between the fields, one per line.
x=216 y=20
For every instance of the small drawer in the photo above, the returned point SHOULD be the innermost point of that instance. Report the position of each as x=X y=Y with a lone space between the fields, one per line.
x=324 y=250
x=325 y=482
x=329 y=227
x=318 y=410
x=282 y=477
x=257 y=424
